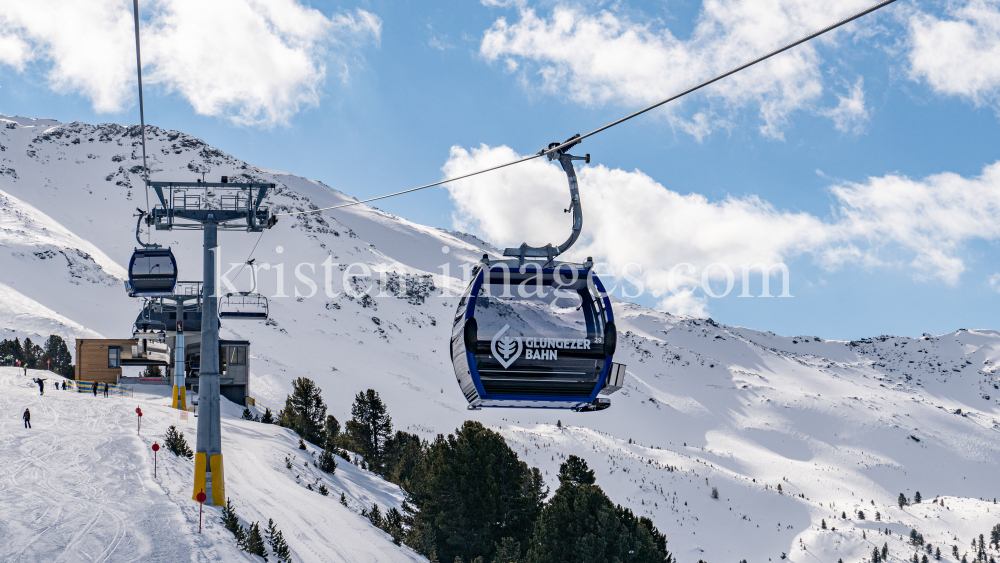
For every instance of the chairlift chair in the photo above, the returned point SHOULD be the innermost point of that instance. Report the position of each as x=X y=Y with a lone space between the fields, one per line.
x=533 y=332
x=245 y=305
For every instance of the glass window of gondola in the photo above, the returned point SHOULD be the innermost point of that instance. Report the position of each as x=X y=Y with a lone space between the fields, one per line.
x=158 y=263
x=153 y=270
x=544 y=329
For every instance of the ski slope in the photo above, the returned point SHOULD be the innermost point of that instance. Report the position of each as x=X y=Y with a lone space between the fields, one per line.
x=841 y=426
x=79 y=485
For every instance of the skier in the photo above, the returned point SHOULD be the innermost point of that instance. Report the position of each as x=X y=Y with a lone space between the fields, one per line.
x=27 y=418
x=64 y=385
x=41 y=385
x=105 y=390
x=95 y=388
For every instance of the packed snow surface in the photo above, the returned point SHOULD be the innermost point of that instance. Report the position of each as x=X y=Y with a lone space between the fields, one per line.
x=79 y=485
x=841 y=427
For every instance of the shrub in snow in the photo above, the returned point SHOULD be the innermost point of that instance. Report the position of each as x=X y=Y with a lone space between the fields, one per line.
x=277 y=542
x=175 y=442
x=326 y=462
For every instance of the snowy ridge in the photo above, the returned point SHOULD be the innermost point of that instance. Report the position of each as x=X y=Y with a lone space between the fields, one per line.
x=839 y=425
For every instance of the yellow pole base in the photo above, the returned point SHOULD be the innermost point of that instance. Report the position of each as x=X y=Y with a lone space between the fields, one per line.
x=179 y=398
x=218 y=492
x=218 y=480
x=200 y=466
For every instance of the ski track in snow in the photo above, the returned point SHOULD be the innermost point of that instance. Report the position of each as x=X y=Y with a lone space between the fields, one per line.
x=79 y=486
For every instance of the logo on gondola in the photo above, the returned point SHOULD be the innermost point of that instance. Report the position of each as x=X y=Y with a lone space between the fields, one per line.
x=505 y=349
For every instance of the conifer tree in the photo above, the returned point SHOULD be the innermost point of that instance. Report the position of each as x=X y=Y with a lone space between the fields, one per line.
x=574 y=471
x=393 y=525
x=901 y=500
x=861 y=515
x=402 y=453
x=885 y=551
x=469 y=491
x=174 y=441
x=843 y=515
x=581 y=514
x=916 y=497
x=31 y=353
x=254 y=543
x=56 y=353
x=343 y=499
x=305 y=411
x=247 y=415
x=232 y=522
x=374 y=515
x=331 y=429
x=268 y=418
x=507 y=551
x=370 y=427
x=937 y=553
x=822 y=524
x=326 y=462
x=277 y=542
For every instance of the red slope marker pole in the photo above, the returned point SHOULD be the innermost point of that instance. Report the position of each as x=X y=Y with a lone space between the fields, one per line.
x=201 y=507
x=138 y=411
x=156 y=448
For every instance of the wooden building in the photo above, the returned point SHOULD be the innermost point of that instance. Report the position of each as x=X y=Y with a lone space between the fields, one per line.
x=100 y=359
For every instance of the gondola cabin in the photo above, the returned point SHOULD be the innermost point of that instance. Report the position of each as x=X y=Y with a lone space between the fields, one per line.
x=535 y=337
x=152 y=272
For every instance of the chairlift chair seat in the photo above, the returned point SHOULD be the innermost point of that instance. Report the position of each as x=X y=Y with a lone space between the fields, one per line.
x=243 y=305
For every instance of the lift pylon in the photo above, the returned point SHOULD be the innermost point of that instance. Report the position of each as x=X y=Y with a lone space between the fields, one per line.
x=209 y=207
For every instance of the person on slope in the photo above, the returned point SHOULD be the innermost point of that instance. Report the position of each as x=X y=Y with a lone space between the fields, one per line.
x=95 y=388
x=105 y=390
x=41 y=385
x=27 y=418
x=64 y=385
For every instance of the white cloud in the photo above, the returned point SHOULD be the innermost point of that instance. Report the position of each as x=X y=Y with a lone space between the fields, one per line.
x=851 y=114
x=959 y=55
x=630 y=218
x=995 y=282
x=604 y=57
x=253 y=61
x=88 y=44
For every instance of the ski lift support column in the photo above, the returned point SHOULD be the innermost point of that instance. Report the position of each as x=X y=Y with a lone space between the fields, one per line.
x=183 y=292
x=209 y=207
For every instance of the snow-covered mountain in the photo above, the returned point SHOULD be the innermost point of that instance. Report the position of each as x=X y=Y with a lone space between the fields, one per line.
x=840 y=426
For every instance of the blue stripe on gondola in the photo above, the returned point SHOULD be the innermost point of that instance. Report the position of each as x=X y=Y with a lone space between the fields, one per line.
x=602 y=381
x=469 y=356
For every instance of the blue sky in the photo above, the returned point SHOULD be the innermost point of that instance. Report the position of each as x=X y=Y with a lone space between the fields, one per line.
x=858 y=162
